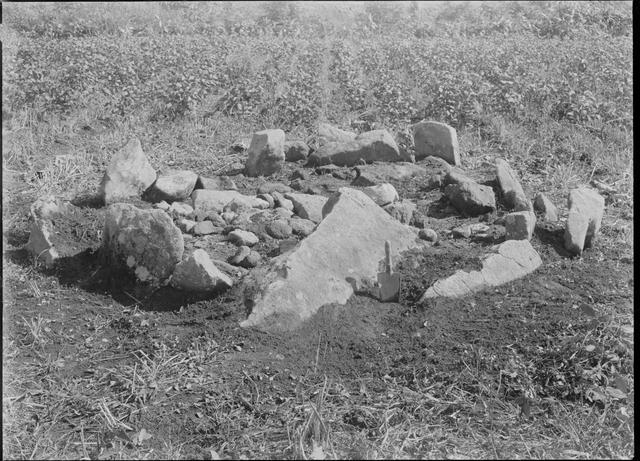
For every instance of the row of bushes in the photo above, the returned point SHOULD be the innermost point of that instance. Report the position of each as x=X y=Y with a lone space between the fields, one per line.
x=544 y=19
x=294 y=80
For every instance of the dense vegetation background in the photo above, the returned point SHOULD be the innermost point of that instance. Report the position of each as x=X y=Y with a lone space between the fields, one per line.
x=546 y=85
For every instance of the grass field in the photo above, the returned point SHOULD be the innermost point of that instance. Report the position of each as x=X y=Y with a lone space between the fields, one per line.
x=545 y=85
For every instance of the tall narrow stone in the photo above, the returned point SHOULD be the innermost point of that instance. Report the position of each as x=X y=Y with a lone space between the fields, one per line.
x=586 y=208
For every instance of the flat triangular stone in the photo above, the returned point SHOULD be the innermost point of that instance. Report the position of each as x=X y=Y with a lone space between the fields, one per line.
x=343 y=253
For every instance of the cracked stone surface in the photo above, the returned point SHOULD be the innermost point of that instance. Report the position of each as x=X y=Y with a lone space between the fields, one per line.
x=512 y=259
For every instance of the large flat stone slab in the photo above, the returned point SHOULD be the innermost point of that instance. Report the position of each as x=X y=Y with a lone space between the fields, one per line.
x=511 y=260
x=342 y=253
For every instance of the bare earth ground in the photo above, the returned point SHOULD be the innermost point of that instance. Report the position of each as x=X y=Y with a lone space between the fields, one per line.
x=175 y=377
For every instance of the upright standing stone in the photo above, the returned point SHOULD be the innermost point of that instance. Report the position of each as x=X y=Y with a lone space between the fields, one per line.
x=586 y=208
x=128 y=175
x=512 y=192
x=543 y=205
x=266 y=153
x=437 y=139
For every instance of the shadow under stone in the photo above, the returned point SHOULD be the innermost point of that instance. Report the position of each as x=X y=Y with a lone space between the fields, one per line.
x=552 y=234
x=441 y=209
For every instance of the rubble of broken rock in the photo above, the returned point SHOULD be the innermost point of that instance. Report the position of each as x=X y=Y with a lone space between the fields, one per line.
x=295 y=231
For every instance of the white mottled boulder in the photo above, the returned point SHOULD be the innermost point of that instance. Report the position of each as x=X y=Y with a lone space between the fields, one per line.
x=128 y=175
x=307 y=206
x=437 y=139
x=146 y=242
x=519 y=225
x=341 y=255
x=172 y=187
x=242 y=237
x=266 y=153
x=545 y=207
x=471 y=198
x=205 y=200
x=198 y=273
x=586 y=208
x=368 y=147
x=509 y=261
x=512 y=193
x=382 y=194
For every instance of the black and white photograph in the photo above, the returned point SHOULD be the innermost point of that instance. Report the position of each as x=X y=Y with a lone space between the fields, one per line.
x=317 y=230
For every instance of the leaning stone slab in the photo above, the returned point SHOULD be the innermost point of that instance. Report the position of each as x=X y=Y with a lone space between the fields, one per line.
x=368 y=147
x=544 y=206
x=586 y=208
x=128 y=175
x=216 y=200
x=513 y=195
x=172 y=187
x=198 y=273
x=342 y=253
x=519 y=225
x=511 y=260
x=378 y=173
x=145 y=242
x=307 y=206
x=437 y=139
x=471 y=198
x=266 y=153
